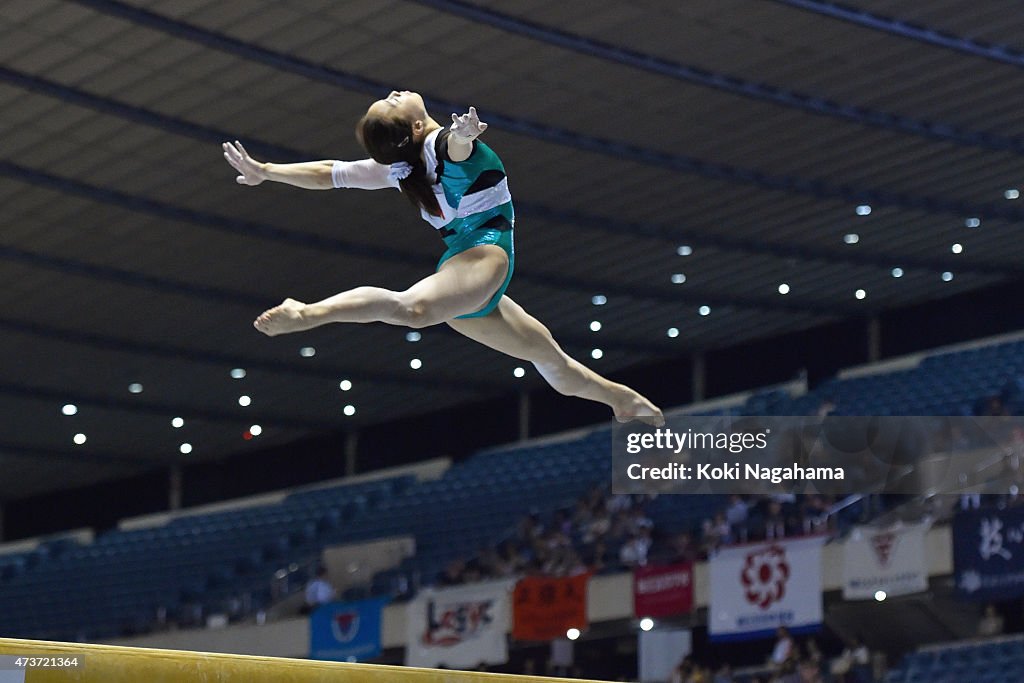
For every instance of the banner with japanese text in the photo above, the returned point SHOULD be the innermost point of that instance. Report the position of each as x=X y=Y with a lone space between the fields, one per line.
x=988 y=553
x=545 y=608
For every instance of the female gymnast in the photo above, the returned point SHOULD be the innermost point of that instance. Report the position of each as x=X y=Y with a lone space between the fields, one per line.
x=458 y=184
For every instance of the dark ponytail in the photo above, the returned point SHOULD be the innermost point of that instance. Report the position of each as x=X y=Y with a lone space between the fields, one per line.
x=389 y=141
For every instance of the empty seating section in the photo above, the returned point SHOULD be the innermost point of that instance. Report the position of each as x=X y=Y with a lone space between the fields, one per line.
x=997 y=661
x=955 y=383
x=117 y=584
x=225 y=561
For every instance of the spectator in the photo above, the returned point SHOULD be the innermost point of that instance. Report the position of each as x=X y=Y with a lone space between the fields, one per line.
x=594 y=557
x=736 y=516
x=814 y=659
x=599 y=526
x=991 y=623
x=621 y=502
x=530 y=529
x=452 y=575
x=717 y=531
x=488 y=562
x=634 y=551
x=815 y=514
x=510 y=560
x=994 y=408
x=784 y=648
x=319 y=591
x=581 y=516
x=774 y=521
x=562 y=524
x=682 y=673
x=854 y=664
x=683 y=548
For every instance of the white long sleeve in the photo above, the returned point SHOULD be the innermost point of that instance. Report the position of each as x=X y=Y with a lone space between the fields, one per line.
x=365 y=174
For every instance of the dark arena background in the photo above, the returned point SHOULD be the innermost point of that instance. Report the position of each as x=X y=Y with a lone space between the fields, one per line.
x=736 y=207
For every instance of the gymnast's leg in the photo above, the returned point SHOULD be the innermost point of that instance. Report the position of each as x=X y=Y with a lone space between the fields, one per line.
x=512 y=331
x=464 y=284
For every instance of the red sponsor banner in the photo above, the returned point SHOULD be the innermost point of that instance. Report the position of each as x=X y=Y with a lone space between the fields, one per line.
x=545 y=608
x=663 y=591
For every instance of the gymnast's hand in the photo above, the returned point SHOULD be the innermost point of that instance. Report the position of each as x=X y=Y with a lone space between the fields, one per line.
x=252 y=171
x=467 y=127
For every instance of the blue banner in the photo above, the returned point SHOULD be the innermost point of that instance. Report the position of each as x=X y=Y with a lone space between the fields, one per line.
x=988 y=553
x=346 y=631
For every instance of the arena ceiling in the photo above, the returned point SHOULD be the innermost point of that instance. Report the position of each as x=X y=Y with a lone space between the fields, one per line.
x=744 y=134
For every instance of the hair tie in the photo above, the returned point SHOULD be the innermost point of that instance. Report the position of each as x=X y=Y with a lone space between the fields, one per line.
x=400 y=170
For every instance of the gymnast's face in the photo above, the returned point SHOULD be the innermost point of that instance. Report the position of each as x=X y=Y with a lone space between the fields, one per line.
x=400 y=104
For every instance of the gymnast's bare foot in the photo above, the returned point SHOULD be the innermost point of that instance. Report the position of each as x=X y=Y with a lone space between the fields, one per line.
x=636 y=407
x=282 y=319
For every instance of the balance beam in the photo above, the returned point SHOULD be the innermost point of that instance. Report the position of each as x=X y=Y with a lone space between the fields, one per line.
x=111 y=664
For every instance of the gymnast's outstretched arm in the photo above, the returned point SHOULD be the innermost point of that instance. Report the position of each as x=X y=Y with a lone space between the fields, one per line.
x=366 y=174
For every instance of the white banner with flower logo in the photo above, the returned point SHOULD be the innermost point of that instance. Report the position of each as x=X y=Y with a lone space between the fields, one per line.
x=756 y=588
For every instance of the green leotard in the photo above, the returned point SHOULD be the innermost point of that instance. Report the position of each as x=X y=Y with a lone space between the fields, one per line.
x=473 y=195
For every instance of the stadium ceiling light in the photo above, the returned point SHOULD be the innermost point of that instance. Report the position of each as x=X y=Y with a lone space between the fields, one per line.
x=784 y=288
x=572 y=634
x=863 y=210
x=307 y=352
x=599 y=299
x=897 y=272
x=597 y=354
x=345 y=385
x=1012 y=193
x=135 y=388
x=349 y=410
x=957 y=248
x=678 y=278
x=79 y=439
x=947 y=276
x=69 y=409
x=177 y=423
x=860 y=294
x=880 y=596
x=244 y=401
x=646 y=624
x=704 y=310
x=673 y=332
x=413 y=336
x=415 y=364
x=684 y=250
x=238 y=373
x=256 y=430
x=851 y=238
x=972 y=222
x=185 y=448
x=595 y=325
x=519 y=372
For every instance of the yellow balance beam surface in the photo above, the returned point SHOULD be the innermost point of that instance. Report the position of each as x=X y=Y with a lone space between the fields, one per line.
x=109 y=664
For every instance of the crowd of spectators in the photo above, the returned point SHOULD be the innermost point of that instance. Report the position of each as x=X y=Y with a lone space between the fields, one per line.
x=598 y=533
x=790 y=662
x=603 y=532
